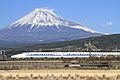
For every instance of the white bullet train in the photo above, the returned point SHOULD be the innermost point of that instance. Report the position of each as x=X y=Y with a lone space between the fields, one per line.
x=63 y=54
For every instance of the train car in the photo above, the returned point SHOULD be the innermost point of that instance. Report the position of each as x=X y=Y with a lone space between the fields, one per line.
x=64 y=54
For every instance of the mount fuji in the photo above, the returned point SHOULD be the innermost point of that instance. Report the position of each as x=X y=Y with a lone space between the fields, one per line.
x=43 y=26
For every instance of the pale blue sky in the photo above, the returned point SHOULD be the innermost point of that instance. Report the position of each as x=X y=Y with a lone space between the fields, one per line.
x=100 y=15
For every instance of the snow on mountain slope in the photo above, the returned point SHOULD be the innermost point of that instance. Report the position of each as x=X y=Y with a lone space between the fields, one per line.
x=43 y=26
x=46 y=17
x=40 y=17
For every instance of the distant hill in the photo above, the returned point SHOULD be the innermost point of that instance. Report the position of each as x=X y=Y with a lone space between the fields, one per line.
x=103 y=43
x=107 y=42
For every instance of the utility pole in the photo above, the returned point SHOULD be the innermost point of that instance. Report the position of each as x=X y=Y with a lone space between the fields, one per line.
x=116 y=48
x=40 y=49
x=88 y=45
x=89 y=48
x=69 y=48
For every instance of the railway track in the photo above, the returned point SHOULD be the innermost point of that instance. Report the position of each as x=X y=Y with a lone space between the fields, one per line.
x=6 y=65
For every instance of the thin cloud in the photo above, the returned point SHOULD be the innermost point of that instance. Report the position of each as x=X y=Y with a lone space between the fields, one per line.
x=110 y=23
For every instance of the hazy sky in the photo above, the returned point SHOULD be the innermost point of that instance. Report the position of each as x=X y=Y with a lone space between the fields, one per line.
x=100 y=15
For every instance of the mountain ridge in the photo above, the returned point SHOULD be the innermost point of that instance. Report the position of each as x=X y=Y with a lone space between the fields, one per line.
x=101 y=43
x=105 y=43
x=46 y=17
x=44 y=26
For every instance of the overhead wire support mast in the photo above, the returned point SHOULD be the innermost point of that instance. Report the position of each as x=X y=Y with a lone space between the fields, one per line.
x=89 y=48
x=88 y=45
x=116 y=48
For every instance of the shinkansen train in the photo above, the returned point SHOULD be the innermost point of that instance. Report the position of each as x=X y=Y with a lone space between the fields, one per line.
x=63 y=54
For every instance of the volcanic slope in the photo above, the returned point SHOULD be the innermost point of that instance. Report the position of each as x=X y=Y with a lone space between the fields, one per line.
x=43 y=26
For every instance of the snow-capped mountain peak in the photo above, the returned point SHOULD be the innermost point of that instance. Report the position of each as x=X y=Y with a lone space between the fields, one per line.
x=43 y=26
x=40 y=17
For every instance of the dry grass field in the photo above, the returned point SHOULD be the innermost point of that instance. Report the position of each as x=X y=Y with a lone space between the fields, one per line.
x=60 y=75
x=60 y=72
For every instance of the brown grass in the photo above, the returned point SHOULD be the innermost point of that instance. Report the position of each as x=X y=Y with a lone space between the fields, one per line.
x=60 y=75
